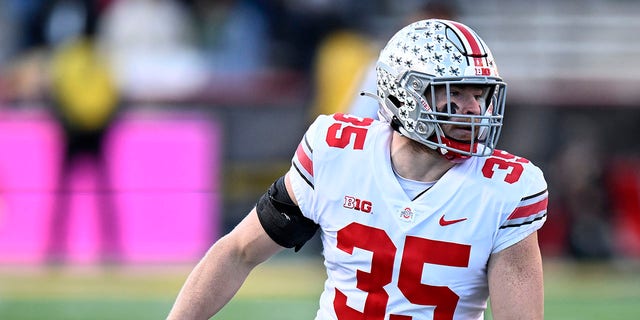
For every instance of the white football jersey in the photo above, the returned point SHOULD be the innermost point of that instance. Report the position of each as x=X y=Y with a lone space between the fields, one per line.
x=395 y=258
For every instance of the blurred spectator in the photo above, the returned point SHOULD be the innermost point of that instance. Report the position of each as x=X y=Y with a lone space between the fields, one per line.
x=25 y=77
x=577 y=178
x=234 y=35
x=7 y=31
x=22 y=25
x=85 y=98
x=299 y=26
x=152 y=47
x=23 y=51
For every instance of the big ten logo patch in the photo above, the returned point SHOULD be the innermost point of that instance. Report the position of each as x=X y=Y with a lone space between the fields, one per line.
x=357 y=204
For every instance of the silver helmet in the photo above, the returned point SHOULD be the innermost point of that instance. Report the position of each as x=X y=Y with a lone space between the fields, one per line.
x=431 y=55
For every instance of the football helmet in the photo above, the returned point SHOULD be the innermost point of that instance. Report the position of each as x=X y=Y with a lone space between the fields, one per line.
x=431 y=55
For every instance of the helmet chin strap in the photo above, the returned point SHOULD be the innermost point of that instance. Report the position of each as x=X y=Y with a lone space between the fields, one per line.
x=372 y=96
x=454 y=156
x=383 y=116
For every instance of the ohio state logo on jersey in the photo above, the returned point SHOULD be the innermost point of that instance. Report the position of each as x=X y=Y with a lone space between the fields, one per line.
x=406 y=215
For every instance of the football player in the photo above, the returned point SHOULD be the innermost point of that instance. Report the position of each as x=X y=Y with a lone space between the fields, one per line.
x=420 y=216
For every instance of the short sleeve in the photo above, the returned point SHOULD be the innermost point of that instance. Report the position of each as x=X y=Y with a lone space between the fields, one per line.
x=302 y=166
x=529 y=214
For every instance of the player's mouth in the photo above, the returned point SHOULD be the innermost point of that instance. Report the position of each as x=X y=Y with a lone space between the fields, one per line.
x=461 y=133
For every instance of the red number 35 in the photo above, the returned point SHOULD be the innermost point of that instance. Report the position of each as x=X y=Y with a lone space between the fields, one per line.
x=417 y=251
x=340 y=133
x=501 y=160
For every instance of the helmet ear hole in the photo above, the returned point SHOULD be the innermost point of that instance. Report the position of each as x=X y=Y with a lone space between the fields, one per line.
x=395 y=101
x=396 y=124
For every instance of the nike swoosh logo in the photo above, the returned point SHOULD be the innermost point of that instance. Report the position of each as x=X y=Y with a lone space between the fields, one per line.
x=444 y=222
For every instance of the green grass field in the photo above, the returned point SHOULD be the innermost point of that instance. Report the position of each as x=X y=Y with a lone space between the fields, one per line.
x=283 y=288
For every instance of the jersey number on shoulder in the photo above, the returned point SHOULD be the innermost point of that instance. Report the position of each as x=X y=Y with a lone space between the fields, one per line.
x=339 y=134
x=501 y=160
x=417 y=251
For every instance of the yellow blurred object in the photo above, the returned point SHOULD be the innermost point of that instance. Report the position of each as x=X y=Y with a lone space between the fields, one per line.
x=83 y=85
x=341 y=63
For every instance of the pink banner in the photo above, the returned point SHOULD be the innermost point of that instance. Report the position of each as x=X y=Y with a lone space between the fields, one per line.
x=161 y=205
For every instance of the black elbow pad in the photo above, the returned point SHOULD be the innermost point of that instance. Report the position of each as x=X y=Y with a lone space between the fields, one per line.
x=282 y=219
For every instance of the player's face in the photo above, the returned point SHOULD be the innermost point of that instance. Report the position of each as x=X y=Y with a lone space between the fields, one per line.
x=465 y=100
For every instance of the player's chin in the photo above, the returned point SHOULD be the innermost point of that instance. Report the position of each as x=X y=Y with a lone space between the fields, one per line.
x=463 y=135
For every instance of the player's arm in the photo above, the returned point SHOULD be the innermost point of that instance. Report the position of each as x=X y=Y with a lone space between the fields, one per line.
x=221 y=272
x=275 y=223
x=516 y=281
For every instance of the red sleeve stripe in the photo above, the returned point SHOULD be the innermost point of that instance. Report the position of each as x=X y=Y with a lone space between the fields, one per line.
x=530 y=209
x=304 y=159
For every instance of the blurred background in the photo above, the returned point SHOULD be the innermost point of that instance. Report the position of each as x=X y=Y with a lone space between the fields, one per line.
x=134 y=133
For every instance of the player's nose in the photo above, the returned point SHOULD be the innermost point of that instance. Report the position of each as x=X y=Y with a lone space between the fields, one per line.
x=468 y=104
